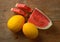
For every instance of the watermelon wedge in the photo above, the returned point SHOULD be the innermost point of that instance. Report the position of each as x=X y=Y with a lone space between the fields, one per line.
x=39 y=19
x=18 y=11
x=23 y=7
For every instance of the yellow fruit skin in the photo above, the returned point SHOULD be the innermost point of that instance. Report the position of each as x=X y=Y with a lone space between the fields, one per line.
x=15 y=23
x=30 y=30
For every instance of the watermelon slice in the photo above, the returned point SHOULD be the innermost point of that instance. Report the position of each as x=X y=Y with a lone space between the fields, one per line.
x=39 y=19
x=23 y=7
x=18 y=11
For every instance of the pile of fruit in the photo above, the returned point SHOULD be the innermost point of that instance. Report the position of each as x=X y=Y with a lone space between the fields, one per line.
x=28 y=20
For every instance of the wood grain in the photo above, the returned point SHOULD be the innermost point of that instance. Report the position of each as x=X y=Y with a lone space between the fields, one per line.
x=50 y=7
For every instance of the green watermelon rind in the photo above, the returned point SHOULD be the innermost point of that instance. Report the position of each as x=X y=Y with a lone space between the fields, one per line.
x=50 y=23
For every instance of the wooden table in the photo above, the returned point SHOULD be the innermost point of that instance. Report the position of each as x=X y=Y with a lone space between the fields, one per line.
x=50 y=7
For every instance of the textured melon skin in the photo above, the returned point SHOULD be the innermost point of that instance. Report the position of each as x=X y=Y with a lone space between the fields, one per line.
x=41 y=26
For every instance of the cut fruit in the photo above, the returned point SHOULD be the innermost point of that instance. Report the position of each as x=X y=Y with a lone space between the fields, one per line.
x=18 y=11
x=39 y=19
x=23 y=7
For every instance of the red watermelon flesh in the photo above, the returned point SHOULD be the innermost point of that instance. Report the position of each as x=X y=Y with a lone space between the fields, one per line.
x=18 y=11
x=39 y=19
x=23 y=7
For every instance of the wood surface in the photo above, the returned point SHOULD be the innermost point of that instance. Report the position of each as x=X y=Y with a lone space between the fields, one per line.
x=50 y=7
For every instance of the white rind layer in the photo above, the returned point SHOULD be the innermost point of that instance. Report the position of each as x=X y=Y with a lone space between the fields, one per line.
x=11 y=9
x=16 y=4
